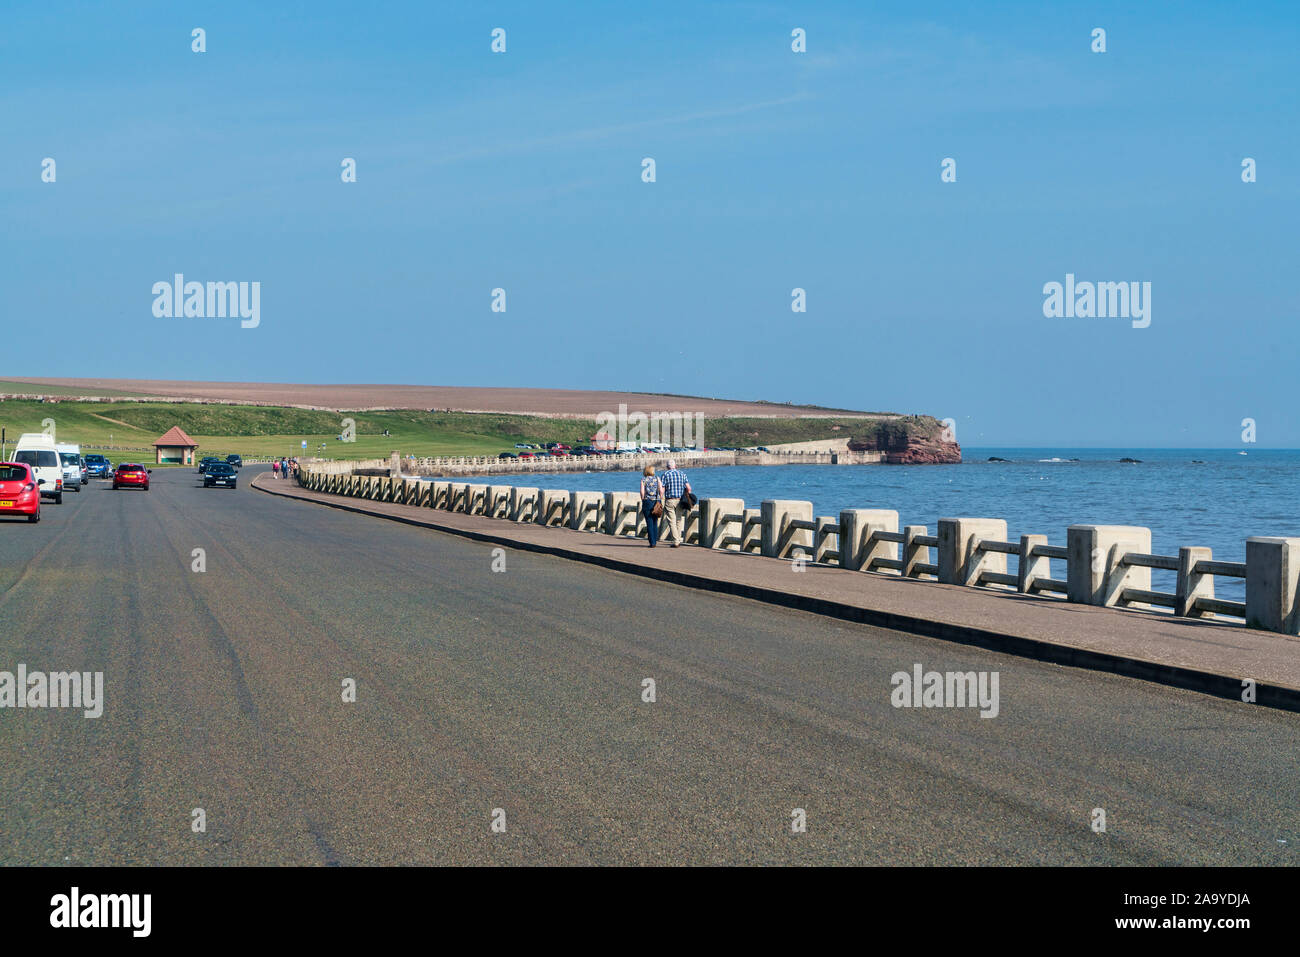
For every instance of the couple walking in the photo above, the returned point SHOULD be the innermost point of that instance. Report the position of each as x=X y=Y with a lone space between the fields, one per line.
x=669 y=496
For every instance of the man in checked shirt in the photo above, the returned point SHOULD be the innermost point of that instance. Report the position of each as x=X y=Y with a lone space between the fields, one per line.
x=675 y=483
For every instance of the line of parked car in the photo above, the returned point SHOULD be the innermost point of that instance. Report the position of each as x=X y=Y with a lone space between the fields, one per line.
x=558 y=450
x=217 y=471
x=44 y=469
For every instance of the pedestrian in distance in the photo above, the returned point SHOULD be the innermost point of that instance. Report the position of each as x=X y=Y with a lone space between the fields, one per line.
x=275 y=468
x=678 y=500
x=652 y=503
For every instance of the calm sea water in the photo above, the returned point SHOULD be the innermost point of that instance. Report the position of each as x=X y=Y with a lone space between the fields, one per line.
x=1207 y=497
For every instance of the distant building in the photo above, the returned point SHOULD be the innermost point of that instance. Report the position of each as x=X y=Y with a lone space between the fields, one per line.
x=602 y=440
x=175 y=448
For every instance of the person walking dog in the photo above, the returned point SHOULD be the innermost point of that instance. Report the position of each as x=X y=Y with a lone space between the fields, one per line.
x=652 y=503
x=678 y=500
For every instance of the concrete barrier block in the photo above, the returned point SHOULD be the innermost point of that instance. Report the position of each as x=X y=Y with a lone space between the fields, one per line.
x=553 y=510
x=523 y=504
x=960 y=560
x=780 y=538
x=826 y=533
x=456 y=497
x=720 y=520
x=438 y=492
x=1097 y=575
x=620 y=513
x=857 y=548
x=498 y=501
x=585 y=510
x=751 y=541
x=1032 y=568
x=914 y=554
x=1192 y=586
x=1273 y=584
x=476 y=499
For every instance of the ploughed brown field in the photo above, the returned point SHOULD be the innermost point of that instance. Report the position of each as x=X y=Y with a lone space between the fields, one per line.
x=557 y=402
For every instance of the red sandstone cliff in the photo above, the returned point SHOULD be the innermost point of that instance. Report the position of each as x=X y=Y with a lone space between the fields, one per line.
x=922 y=441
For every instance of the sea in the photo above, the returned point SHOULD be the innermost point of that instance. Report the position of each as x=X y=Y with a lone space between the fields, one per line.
x=1212 y=498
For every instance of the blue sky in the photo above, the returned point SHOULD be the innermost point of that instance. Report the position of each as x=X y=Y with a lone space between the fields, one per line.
x=775 y=170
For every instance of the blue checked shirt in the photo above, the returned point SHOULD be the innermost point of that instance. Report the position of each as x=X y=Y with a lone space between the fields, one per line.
x=674 y=483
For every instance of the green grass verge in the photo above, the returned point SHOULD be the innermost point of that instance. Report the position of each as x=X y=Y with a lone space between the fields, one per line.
x=266 y=430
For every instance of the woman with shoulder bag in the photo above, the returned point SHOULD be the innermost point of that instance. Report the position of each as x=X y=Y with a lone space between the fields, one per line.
x=652 y=503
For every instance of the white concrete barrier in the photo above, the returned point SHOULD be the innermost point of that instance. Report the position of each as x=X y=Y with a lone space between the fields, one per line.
x=1098 y=573
x=498 y=501
x=620 y=513
x=524 y=504
x=858 y=549
x=720 y=522
x=554 y=507
x=961 y=561
x=1273 y=584
x=780 y=537
x=439 y=493
x=586 y=511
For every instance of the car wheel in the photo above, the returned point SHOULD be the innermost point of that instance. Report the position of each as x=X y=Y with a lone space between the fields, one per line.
x=58 y=499
x=34 y=518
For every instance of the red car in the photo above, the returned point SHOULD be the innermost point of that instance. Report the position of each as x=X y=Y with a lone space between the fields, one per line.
x=19 y=494
x=129 y=475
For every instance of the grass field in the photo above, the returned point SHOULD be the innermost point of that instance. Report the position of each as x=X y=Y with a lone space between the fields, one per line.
x=266 y=430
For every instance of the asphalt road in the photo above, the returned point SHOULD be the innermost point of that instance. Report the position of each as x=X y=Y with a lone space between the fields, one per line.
x=522 y=690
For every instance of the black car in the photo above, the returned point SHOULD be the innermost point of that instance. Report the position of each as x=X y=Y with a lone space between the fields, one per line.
x=235 y=461
x=220 y=473
x=207 y=462
x=507 y=455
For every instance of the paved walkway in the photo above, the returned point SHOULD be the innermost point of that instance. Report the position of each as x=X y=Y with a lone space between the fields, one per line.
x=1187 y=653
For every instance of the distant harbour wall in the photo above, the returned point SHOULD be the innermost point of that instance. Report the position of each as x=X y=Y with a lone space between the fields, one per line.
x=491 y=465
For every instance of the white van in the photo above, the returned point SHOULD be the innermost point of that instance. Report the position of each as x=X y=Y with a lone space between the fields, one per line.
x=70 y=459
x=38 y=450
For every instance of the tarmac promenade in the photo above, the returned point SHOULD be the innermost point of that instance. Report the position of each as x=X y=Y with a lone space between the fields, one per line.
x=1199 y=655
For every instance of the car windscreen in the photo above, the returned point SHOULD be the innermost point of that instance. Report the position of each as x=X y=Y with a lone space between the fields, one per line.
x=37 y=457
x=95 y=460
x=221 y=468
x=12 y=473
x=70 y=458
x=130 y=468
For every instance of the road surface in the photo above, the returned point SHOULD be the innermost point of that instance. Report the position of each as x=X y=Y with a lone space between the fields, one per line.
x=522 y=690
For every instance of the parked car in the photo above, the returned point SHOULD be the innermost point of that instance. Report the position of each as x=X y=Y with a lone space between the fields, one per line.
x=220 y=473
x=507 y=455
x=206 y=461
x=19 y=493
x=522 y=445
x=131 y=475
x=38 y=451
x=235 y=461
x=97 y=466
x=527 y=455
x=70 y=462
